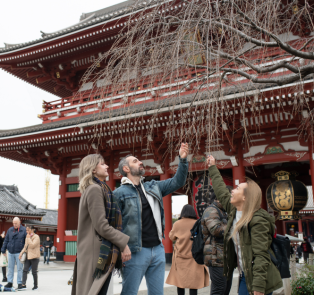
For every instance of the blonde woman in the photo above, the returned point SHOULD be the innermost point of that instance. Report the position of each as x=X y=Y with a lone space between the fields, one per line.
x=32 y=249
x=248 y=235
x=99 y=239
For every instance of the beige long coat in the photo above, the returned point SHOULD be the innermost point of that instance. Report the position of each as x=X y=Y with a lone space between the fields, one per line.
x=185 y=272
x=92 y=218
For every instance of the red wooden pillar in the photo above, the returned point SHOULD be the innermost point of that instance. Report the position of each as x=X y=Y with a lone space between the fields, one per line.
x=168 y=216
x=111 y=182
x=311 y=152
x=62 y=214
x=238 y=172
x=300 y=226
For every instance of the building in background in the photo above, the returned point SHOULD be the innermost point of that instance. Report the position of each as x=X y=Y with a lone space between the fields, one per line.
x=12 y=204
x=70 y=127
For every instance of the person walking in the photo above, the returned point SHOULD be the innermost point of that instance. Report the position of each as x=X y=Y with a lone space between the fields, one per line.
x=214 y=223
x=4 y=268
x=144 y=221
x=307 y=249
x=32 y=249
x=47 y=249
x=14 y=242
x=248 y=235
x=185 y=273
x=99 y=237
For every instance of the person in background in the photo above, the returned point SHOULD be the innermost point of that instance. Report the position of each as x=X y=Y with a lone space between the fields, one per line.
x=14 y=242
x=32 y=249
x=248 y=235
x=47 y=249
x=307 y=249
x=185 y=273
x=143 y=217
x=4 y=268
x=214 y=223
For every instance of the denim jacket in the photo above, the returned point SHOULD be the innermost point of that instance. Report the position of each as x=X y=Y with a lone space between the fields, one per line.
x=130 y=203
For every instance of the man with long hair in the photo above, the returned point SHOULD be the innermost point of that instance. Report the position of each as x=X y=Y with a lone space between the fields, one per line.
x=143 y=221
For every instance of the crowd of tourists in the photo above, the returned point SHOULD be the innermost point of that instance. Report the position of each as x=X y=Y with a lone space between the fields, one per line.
x=20 y=246
x=122 y=231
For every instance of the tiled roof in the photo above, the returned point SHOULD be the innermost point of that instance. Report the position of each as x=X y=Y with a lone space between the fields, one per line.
x=144 y=107
x=86 y=20
x=50 y=218
x=11 y=202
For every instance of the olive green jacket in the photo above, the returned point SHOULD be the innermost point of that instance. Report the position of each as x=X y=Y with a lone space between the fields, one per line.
x=260 y=273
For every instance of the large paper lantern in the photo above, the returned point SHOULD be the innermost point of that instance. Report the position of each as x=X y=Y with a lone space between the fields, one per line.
x=287 y=195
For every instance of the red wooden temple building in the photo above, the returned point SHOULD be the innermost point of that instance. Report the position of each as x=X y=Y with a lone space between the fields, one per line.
x=69 y=130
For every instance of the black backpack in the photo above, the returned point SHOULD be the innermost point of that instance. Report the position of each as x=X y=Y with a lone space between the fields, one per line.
x=198 y=238
x=281 y=249
x=198 y=242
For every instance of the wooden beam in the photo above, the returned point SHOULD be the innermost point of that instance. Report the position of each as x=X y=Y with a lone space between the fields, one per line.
x=43 y=79
x=32 y=74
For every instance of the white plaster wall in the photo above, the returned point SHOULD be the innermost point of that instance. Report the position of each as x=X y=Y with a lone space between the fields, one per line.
x=74 y=173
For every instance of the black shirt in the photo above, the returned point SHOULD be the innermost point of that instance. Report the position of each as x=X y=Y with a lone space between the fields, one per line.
x=47 y=243
x=150 y=236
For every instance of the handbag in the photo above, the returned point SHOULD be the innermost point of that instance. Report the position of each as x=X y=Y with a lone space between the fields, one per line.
x=3 y=260
x=24 y=256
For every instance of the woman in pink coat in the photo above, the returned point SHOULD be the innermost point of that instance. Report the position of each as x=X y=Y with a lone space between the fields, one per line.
x=185 y=272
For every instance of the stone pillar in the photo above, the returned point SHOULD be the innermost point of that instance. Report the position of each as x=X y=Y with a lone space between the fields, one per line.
x=238 y=171
x=62 y=214
x=168 y=215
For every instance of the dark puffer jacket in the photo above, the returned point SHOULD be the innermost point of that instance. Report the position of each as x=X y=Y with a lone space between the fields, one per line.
x=14 y=240
x=260 y=273
x=213 y=231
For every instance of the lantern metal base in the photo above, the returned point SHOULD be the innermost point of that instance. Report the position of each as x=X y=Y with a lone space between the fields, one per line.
x=289 y=215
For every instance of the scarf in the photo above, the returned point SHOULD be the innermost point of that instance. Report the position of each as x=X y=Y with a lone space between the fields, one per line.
x=109 y=254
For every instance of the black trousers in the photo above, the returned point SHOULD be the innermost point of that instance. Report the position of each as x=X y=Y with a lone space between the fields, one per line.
x=4 y=272
x=34 y=263
x=104 y=288
x=219 y=284
x=182 y=291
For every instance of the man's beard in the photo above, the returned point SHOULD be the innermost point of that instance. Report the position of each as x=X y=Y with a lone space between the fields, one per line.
x=137 y=172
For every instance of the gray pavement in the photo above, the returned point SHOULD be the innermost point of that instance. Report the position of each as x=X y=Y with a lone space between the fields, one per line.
x=53 y=279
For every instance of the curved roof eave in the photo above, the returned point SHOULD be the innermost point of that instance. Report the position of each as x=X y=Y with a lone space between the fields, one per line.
x=99 y=19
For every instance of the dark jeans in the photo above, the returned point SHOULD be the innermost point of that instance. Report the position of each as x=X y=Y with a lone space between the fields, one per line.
x=242 y=287
x=47 y=256
x=34 y=264
x=182 y=291
x=219 y=284
x=104 y=288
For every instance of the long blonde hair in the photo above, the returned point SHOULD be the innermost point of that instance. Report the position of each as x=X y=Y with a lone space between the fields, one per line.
x=253 y=201
x=87 y=166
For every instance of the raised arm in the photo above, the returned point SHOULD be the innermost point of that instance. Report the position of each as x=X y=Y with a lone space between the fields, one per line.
x=32 y=244
x=179 y=179
x=219 y=186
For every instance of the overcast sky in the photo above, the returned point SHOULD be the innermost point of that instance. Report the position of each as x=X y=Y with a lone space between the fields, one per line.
x=22 y=21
